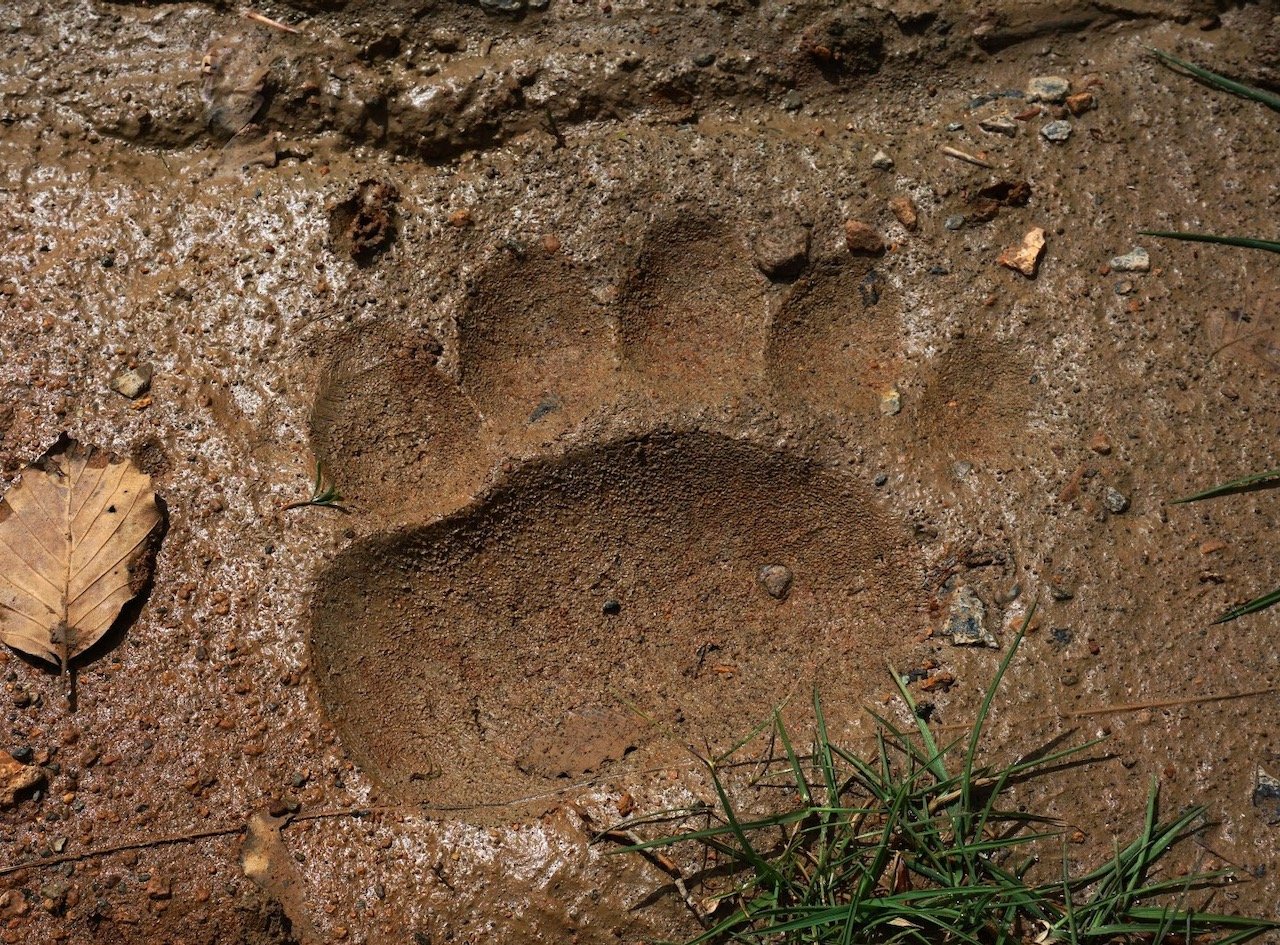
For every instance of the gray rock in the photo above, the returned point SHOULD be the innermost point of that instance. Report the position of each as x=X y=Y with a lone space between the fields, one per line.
x=132 y=382
x=792 y=101
x=967 y=620
x=1136 y=260
x=1003 y=124
x=881 y=161
x=961 y=468
x=955 y=126
x=776 y=580
x=1053 y=89
x=954 y=222
x=1266 y=795
x=1057 y=131
x=502 y=6
x=1124 y=287
x=1115 y=501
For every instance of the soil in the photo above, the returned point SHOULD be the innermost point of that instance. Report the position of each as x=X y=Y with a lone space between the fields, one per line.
x=561 y=303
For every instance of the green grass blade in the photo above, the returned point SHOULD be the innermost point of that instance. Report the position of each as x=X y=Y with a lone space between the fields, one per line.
x=934 y=762
x=1246 y=242
x=975 y=736
x=1242 y=484
x=822 y=750
x=802 y=783
x=1252 y=607
x=1220 y=81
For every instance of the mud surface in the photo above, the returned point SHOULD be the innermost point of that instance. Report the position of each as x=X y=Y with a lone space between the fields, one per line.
x=635 y=437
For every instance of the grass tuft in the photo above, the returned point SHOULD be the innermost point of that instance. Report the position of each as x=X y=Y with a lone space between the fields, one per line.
x=913 y=845
x=324 y=495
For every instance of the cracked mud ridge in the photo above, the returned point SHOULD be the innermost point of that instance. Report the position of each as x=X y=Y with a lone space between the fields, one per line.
x=539 y=394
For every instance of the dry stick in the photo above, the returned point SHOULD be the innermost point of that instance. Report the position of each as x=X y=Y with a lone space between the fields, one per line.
x=1169 y=703
x=969 y=158
x=121 y=847
x=664 y=863
x=267 y=21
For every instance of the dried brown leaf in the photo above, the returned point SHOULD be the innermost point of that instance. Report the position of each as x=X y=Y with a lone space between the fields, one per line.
x=75 y=547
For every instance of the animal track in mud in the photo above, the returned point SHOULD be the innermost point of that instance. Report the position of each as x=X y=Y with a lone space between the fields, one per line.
x=502 y=647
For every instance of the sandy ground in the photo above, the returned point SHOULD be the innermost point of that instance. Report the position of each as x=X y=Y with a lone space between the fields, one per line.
x=567 y=304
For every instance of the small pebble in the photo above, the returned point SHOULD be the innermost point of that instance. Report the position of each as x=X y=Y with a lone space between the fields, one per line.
x=1116 y=501
x=891 y=402
x=792 y=101
x=904 y=208
x=862 y=239
x=1048 y=88
x=1009 y=595
x=1124 y=287
x=776 y=580
x=1057 y=131
x=783 y=251
x=961 y=469
x=966 y=621
x=703 y=60
x=1025 y=257
x=954 y=222
x=881 y=161
x=880 y=480
x=1080 y=103
x=955 y=126
x=1002 y=124
x=612 y=607
x=1136 y=260
x=132 y=382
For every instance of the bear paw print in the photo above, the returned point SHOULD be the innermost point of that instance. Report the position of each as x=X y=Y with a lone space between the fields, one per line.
x=638 y=550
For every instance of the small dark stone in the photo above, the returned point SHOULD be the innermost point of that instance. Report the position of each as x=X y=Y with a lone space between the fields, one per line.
x=22 y=754
x=870 y=286
x=549 y=404
x=792 y=101
x=880 y=480
x=703 y=60
x=612 y=607
x=1061 y=635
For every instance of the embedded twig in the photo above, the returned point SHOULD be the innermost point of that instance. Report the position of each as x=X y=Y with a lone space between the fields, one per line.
x=663 y=862
x=1170 y=703
x=267 y=21
x=966 y=157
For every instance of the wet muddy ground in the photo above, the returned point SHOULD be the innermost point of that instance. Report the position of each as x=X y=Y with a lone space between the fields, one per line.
x=666 y=368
